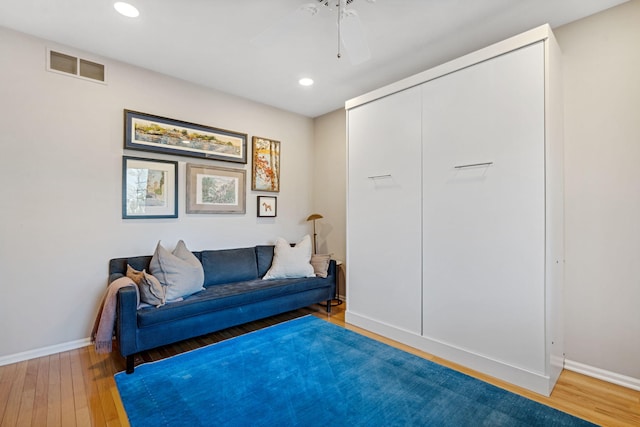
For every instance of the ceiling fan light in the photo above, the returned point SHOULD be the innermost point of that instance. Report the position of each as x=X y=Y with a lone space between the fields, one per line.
x=126 y=9
x=305 y=81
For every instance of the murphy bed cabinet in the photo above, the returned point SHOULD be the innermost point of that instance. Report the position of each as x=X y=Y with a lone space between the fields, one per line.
x=455 y=211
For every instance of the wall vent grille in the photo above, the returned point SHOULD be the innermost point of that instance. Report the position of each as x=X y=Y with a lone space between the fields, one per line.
x=71 y=65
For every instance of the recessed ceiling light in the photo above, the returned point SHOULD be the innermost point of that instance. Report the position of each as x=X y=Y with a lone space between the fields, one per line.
x=306 y=81
x=126 y=9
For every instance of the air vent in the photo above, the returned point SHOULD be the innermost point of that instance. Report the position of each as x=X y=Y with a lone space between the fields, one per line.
x=77 y=67
x=64 y=63
x=91 y=70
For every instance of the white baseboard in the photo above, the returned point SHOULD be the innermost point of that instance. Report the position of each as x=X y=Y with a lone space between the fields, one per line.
x=534 y=381
x=601 y=374
x=43 y=351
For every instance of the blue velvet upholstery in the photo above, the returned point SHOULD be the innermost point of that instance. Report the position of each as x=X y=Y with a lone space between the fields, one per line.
x=220 y=297
x=265 y=256
x=229 y=266
x=234 y=294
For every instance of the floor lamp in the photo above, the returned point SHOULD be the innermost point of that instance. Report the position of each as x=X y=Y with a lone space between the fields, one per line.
x=336 y=299
x=314 y=217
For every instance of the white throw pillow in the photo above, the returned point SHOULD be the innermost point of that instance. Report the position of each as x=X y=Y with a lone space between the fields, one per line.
x=181 y=272
x=290 y=262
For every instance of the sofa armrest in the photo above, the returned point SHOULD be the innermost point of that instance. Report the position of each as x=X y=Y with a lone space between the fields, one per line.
x=332 y=268
x=127 y=313
x=332 y=274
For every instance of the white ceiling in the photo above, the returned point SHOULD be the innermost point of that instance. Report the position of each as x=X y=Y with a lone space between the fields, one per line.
x=208 y=42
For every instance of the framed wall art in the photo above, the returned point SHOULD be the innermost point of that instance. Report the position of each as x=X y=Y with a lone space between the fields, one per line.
x=147 y=132
x=215 y=190
x=266 y=165
x=267 y=206
x=149 y=188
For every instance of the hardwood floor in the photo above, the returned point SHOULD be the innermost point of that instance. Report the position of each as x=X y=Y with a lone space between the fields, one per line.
x=76 y=388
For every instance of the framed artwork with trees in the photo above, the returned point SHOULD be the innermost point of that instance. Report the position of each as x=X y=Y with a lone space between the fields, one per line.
x=215 y=190
x=266 y=165
x=149 y=188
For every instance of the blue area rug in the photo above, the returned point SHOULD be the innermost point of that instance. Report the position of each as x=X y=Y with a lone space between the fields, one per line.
x=308 y=372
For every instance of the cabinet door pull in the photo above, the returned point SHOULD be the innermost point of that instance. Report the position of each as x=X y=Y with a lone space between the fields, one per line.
x=473 y=165
x=388 y=175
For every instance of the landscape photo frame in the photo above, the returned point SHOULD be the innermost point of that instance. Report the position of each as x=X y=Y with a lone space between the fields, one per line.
x=147 y=132
x=265 y=174
x=215 y=190
x=149 y=188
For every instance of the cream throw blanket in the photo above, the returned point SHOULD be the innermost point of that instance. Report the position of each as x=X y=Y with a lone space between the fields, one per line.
x=102 y=334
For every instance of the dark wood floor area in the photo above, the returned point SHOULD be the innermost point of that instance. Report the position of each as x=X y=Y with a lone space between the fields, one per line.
x=76 y=388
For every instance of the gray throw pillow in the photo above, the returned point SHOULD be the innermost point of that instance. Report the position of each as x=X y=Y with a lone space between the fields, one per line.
x=181 y=272
x=149 y=287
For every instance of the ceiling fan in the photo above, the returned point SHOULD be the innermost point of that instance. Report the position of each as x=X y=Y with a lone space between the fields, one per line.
x=351 y=33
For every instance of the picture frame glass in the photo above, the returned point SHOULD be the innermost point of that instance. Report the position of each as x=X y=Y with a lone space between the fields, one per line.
x=267 y=206
x=149 y=188
x=266 y=165
x=212 y=189
x=148 y=132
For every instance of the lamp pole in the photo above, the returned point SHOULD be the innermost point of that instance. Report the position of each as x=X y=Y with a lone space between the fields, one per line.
x=314 y=217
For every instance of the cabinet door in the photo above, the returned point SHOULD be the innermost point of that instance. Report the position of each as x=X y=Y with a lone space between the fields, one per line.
x=484 y=240
x=384 y=211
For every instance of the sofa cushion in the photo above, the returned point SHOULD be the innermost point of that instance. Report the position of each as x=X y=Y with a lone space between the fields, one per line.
x=226 y=296
x=264 y=254
x=180 y=271
x=290 y=262
x=119 y=265
x=229 y=266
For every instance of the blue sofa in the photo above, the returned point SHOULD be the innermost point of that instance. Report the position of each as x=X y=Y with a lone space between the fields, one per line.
x=234 y=293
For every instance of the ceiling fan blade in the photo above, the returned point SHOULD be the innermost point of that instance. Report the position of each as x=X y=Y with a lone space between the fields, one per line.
x=353 y=38
x=285 y=26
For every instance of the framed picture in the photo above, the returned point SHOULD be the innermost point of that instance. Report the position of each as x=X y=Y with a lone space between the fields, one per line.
x=161 y=135
x=267 y=206
x=266 y=165
x=149 y=188
x=215 y=190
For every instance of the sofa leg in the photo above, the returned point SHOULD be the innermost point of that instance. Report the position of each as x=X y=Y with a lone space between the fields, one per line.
x=130 y=366
x=329 y=306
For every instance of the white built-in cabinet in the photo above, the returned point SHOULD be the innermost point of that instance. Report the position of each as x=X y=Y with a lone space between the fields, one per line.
x=454 y=222
x=385 y=202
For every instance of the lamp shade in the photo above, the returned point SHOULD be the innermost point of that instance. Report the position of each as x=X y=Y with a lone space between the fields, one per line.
x=314 y=216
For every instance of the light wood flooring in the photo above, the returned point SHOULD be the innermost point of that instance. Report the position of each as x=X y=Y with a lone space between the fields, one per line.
x=76 y=388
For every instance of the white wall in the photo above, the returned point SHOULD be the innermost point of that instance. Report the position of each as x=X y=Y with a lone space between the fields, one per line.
x=329 y=187
x=601 y=57
x=61 y=142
